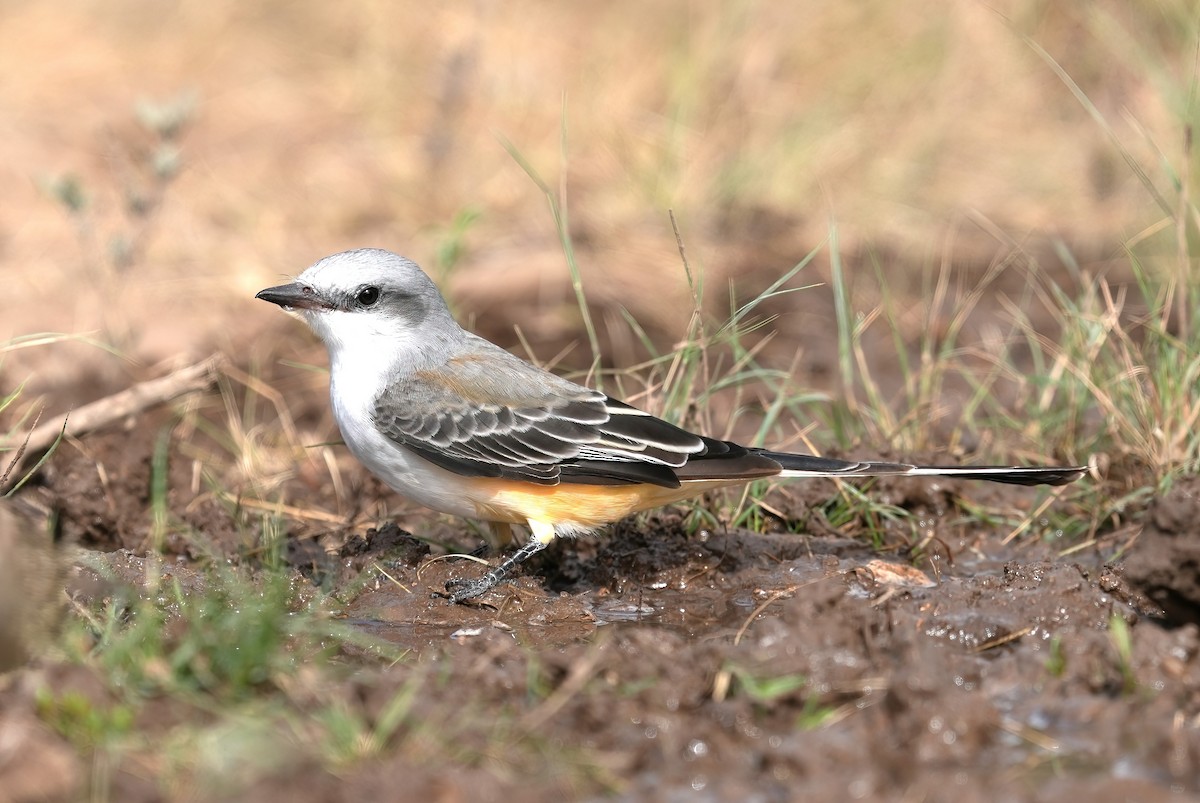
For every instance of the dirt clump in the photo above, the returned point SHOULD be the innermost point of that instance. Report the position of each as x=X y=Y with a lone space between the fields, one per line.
x=1165 y=560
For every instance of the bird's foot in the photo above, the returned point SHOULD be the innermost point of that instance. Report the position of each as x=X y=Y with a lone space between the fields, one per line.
x=461 y=591
x=458 y=591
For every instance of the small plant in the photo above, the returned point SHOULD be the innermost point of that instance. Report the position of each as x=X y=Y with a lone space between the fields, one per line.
x=149 y=166
x=85 y=724
x=816 y=715
x=350 y=737
x=1056 y=661
x=853 y=505
x=453 y=242
x=766 y=689
x=231 y=636
x=1121 y=639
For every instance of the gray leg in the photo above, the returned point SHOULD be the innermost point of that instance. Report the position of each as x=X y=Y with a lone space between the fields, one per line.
x=462 y=590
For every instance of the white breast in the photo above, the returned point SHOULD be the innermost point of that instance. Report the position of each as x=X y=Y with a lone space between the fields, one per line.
x=355 y=381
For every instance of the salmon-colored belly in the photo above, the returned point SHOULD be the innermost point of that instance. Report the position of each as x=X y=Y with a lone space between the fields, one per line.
x=574 y=504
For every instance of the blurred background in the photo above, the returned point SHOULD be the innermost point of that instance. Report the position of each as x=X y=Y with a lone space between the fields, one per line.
x=161 y=162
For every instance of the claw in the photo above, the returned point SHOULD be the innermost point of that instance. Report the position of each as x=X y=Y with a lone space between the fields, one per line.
x=470 y=589
x=466 y=589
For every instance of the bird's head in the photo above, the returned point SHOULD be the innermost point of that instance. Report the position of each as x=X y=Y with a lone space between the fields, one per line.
x=365 y=300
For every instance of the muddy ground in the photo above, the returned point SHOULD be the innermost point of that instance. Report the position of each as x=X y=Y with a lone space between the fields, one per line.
x=163 y=162
x=667 y=661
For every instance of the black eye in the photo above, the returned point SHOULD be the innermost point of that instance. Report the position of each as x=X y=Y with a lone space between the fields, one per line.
x=367 y=296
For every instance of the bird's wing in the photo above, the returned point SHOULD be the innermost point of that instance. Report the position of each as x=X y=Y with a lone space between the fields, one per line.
x=487 y=415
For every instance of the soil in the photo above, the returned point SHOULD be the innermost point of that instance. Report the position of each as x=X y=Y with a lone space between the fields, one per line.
x=665 y=661
x=662 y=660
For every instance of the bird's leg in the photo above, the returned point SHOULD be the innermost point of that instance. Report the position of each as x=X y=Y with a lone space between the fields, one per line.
x=501 y=536
x=462 y=590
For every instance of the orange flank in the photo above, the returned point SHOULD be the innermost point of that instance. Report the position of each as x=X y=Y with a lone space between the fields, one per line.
x=576 y=506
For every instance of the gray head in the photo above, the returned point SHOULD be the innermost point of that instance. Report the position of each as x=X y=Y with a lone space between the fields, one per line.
x=366 y=300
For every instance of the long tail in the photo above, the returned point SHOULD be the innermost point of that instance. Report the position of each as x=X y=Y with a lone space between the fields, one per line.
x=802 y=465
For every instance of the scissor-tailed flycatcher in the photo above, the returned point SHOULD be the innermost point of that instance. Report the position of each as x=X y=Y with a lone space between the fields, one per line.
x=460 y=425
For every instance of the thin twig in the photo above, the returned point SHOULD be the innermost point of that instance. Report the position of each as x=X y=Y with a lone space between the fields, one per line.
x=451 y=556
x=1035 y=513
x=775 y=595
x=1002 y=640
x=382 y=571
x=280 y=509
x=130 y=401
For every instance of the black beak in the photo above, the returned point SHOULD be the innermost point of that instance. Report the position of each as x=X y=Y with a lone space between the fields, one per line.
x=293 y=296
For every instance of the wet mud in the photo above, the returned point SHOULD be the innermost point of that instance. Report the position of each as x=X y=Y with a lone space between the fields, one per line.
x=666 y=661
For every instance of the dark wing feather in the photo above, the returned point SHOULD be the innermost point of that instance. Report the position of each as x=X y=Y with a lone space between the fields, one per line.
x=565 y=433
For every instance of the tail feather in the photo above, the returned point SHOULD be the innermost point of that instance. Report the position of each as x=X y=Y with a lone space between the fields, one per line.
x=802 y=465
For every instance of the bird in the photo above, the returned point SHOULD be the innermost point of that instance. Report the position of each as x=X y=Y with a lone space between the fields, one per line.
x=458 y=424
